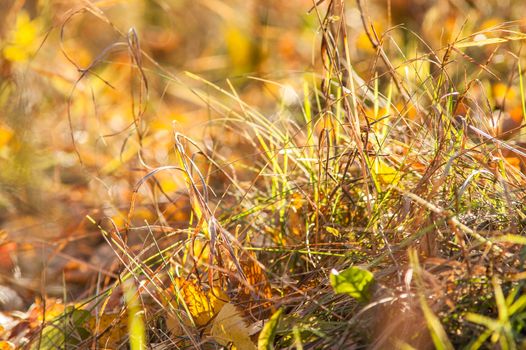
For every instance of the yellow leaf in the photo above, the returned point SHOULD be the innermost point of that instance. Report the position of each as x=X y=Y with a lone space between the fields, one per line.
x=491 y=23
x=197 y=303
x=362 y=40
x=110 y=328
x=5 y=135
x=22 y=42
x=229 y=327
x=6 y=345
x=502 y=93
x=218 y=298
x=378 y=115
x=297 y=201
x=201 y=306
x=335 y=232
x=256 y=278
x=45 y=310
x=239 y=47
x=197 y=252
x=386 y=173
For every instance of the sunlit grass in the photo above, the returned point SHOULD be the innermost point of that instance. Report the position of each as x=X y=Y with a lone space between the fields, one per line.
x=232 y=198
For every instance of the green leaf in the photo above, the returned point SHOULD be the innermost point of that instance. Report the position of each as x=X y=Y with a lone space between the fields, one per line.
x=268 y=333
x=353 y=281
x=64 y=332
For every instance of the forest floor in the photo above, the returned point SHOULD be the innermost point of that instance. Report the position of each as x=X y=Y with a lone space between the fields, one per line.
x=238 y=174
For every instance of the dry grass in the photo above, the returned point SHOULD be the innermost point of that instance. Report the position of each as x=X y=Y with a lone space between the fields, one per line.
x=399 y=151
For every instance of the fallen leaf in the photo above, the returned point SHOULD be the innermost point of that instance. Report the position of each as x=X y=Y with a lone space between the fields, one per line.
x=229 y=327
x=110 y=328
x=44 y=310
x=201 y=306
x=65 y=331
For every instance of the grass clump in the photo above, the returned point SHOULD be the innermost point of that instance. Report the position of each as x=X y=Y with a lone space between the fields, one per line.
x=375 y=200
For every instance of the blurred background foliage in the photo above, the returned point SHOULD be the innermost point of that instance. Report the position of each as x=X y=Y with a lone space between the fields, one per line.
x=48 y=183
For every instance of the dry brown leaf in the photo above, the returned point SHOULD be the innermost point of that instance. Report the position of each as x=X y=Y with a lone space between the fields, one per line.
x=256 y=278
x=173 y=323
x=112 y=328
x=229 y=327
